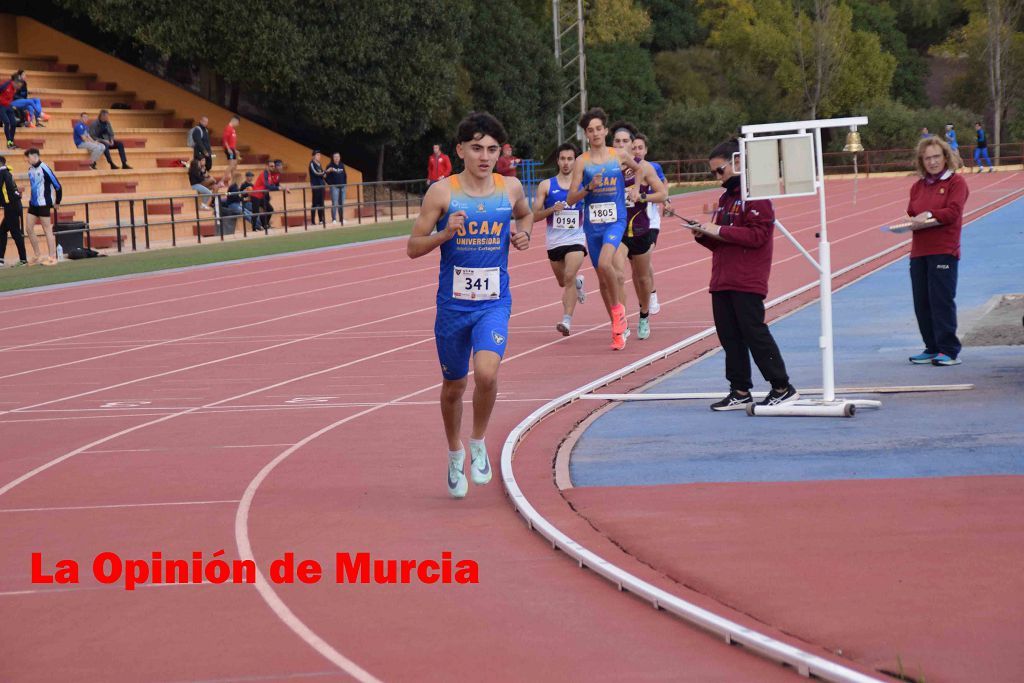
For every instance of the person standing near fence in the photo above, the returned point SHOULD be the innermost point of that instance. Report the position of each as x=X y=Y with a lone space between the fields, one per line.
x=439 y=166
x=337 y=178
x=318 y=183
x=507 y=163
x=45 y=196
x=10 y=200
x=936 y=210
x=199 y=137
x=981 y=150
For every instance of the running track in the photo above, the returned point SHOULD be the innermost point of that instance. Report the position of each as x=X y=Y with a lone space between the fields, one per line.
x=289 y=404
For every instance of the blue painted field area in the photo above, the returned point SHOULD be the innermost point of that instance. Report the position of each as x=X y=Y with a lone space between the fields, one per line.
x=977 y=432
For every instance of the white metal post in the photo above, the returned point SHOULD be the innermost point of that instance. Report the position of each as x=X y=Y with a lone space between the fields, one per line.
x=828 y=379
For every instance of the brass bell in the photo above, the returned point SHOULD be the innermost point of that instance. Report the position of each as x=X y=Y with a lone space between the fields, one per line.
x=853 y=142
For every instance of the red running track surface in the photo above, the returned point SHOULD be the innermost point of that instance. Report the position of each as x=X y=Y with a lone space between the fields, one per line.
x=289 y=404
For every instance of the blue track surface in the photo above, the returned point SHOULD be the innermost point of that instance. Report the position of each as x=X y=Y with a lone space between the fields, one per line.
x=978 y=432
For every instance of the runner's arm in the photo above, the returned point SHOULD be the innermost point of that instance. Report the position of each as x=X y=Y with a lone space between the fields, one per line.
x=576 y=193
x=423 y=239
x=542 y=195
x=651 y=178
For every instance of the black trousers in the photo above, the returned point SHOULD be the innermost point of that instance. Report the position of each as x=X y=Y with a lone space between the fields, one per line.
x=933 y=279
x=9 y=119
x=119 y=146
x=262 y=211
x=739 y=321
x=12 y=224
x=203 y=154
x=318 y=205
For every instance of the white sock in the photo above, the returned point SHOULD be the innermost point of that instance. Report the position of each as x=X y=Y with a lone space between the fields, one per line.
x=481 y=443
x=567 y=320
x=457 y=455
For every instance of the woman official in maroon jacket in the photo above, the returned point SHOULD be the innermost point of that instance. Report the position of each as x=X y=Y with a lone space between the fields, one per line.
x=936 y=211
x=740 y=240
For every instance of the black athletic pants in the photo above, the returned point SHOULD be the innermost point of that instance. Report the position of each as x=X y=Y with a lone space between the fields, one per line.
x=739 y=320
x=12 y=223
x=318 y=205
x=933 y=279
x=119 y=146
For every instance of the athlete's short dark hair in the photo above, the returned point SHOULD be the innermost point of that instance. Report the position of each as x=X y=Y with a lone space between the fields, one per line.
x=567 y=146
x=641 y=136
x=591 y=114
x=725 y=150
x=626 y=126
x=31 y=150
x=477 y=124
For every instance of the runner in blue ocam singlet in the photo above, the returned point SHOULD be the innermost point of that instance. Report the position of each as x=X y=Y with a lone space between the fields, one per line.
x=474 y=217
x=597 y=181
x=604 y=209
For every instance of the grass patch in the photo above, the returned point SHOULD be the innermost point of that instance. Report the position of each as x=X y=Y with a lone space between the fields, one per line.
x=208 y=252
x=686 y=189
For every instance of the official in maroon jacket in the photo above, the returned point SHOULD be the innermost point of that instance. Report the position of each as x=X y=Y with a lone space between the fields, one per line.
x=740 y=240
x=936 y=211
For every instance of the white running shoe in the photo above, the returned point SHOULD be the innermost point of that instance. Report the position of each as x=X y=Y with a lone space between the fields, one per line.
x=654 y=305
x=565 y=327
x=457 y=484
x=480 y=465
x=581 y=293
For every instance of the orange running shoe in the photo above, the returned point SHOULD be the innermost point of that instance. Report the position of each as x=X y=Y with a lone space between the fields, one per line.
x=618 y=342
x=618 y=313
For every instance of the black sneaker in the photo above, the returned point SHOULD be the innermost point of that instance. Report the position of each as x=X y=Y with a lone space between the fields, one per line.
x=734 y=401
x=776 y=398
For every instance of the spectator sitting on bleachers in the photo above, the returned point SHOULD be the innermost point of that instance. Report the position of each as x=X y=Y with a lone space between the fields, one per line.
x=84 y=141
x=231 y=205
x=199 y=136
x=202 y=182
x=7 y=114
x=31 y=105
x=103 y=133
x=269 y=179
x=247 y=204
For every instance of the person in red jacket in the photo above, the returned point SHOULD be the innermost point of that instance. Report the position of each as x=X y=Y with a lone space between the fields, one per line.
x=740 y=241
x=439 y=166
x=507 y=163
x=230 y=142
x=7 y=116
x=936 y=211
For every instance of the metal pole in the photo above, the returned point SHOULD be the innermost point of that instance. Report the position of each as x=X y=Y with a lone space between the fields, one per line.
x=828 y=378
x=555 y=25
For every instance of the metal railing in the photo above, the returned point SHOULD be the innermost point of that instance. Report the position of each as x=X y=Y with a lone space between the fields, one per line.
x=135 y=224
x=869 y=161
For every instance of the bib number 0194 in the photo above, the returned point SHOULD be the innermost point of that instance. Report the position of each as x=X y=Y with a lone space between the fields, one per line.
x=476 y=284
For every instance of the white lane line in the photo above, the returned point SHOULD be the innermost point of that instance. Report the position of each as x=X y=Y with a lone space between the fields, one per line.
x=202 y=295
x=190 y=272
x=119 y=506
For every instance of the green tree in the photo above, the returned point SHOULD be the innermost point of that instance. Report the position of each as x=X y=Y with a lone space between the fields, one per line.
x=692 y=75
x=615 y=21
x=518 y=80
x=685 y=131
x=620 y=79
x=675 y=24
x=908 y=81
